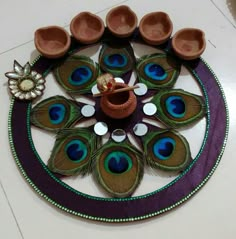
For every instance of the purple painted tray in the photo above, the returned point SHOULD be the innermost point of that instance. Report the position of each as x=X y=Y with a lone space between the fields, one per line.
x=51 y=188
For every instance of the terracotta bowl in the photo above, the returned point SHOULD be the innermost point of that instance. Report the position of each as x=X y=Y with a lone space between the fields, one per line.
x=189 y=43
x=121 y=21
x=119 y=105
x=52 y=41
x=156 y=28
x=87 y=28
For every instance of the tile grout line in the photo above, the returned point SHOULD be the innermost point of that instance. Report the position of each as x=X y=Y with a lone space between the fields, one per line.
x=14 y=216
x=15 y=47
x=212 y=1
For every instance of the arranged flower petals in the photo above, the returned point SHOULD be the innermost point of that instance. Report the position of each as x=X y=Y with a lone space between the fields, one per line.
x=25 y=84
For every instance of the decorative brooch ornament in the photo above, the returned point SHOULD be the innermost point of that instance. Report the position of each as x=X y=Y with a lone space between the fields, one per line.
x=24 y=83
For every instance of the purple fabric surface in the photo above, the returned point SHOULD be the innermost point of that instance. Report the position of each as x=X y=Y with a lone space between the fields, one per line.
x=130 y=208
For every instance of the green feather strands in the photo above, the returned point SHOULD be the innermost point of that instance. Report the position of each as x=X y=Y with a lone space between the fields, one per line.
x=73 y=152
x=118 y=168
x=55 y=113
x=77 y=74
x=166 y=150
x=158 y=71
x=178 y=108
x=116 y=59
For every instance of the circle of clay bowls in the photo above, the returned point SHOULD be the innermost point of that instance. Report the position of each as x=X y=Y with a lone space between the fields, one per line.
x=189 y=43
x=87 y=28
x=121 y=21
x=52 y=41
x=156 y=28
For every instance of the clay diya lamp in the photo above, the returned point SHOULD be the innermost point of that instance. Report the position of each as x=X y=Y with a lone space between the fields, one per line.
x=189 y=43
x=119 y=105
x=121 y=21
x=156 y=28
x=87 y=28
x=52 y=41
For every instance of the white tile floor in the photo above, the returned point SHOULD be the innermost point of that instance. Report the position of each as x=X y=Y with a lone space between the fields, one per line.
x=209 y=214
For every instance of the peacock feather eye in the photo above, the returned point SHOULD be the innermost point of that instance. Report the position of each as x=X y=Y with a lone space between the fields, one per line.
x=158 y=70
x=166 y=150
x=80 y=76
x=55 y=113
x=116 y=60
x=155 y=72
x=77 y=74
x=118 y=162
x=73 y=152
x=177 y=108
x=119 y=169
x=76 y=150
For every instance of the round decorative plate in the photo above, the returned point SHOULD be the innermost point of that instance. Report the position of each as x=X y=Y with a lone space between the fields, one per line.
x=156 y=144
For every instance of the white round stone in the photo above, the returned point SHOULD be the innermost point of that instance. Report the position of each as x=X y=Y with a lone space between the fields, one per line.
x=140 y=129
x=88 y=111
x=95 y=90
x=119 y=80
x=100 y=128
x=149 y=109
x=118 y=135
x=142 y=90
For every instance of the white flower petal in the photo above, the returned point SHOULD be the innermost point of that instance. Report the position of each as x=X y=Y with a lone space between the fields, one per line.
x=27 y=69
x=12 y=87
x=33 y=95
x=40 y=87
x=28 y=96
x=18 y=68
x=13 y=82
x=33 y=73
x=41 y=81
x=18 y=94
x=38 y=92
x=22 y=96
x=12 y=75
x=38 y=76
x=14 y=91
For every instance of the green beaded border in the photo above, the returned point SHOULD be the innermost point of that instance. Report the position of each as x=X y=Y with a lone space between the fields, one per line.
x=97 y=198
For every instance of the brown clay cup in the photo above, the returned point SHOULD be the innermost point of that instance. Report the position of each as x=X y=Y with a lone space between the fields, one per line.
x=52 y=41
x=156 y=28
x=119 y=105
x=121 y=21
x=189 y=43
x=87 y=28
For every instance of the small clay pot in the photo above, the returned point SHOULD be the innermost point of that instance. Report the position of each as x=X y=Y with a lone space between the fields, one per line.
x=52 y=41
x=121 y=21
x=87 y=28
x=119 y=105
x=189 y=43
x=156 y=28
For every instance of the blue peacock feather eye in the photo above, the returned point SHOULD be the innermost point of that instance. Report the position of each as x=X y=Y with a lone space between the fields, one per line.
x=118 y=162
x=163 y=148
x=57 y=113
x=76 y=150
x=175 y=106
x=116 y=60
x=80 y=76
x=155 y=71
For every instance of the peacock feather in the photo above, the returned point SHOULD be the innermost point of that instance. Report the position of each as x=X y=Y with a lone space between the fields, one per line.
x=73 y=152
x=118 y=168
x=158 y=70
x=77 y=74
x=177 y=108
x=55 y=113
x=166 y=150
x=116 y=59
